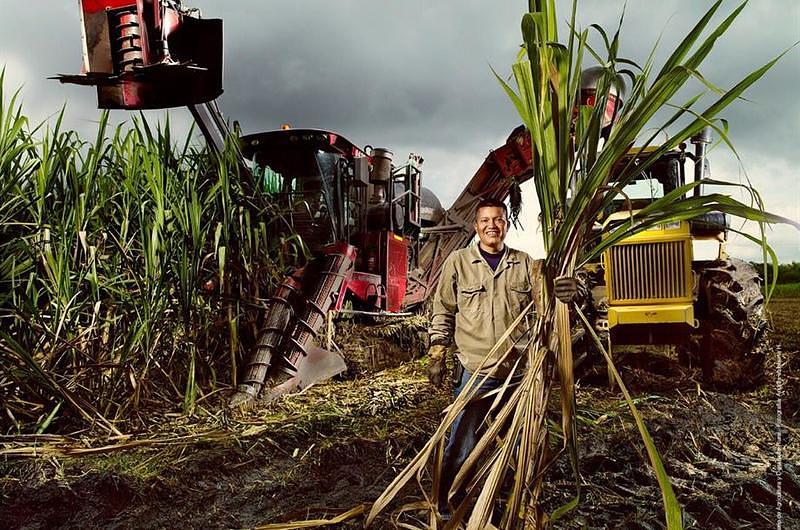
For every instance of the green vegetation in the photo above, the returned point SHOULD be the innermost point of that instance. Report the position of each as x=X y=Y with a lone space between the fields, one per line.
x=786 y=290
x=131 y=271
x=787 y=273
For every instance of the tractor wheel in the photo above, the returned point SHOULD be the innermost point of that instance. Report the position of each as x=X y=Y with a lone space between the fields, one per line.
x=732 y=324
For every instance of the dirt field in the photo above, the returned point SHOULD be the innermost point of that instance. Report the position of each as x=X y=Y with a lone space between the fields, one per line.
x=338 y=445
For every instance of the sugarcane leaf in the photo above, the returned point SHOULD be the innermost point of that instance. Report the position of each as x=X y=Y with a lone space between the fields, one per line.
x=707 y=45
x=686 y=44
x=602 y=32
x=522 y=109
x=565 y=508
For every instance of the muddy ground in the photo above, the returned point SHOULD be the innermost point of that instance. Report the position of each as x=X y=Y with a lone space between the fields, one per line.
x=338 y=445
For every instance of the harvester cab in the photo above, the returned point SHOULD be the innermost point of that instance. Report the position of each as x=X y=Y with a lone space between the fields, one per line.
x=358 y=218
x=333 y=192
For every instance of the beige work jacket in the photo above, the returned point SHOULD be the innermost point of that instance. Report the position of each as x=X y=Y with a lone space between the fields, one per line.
x=474 y=305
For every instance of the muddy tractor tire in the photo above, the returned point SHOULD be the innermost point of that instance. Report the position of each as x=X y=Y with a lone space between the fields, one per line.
x=732 y=323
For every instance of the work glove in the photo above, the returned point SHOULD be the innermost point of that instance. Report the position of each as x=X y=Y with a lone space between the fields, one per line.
x=566 y=288
x=436 y=367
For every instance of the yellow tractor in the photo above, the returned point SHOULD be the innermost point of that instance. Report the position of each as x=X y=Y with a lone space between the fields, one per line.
x=674 y=284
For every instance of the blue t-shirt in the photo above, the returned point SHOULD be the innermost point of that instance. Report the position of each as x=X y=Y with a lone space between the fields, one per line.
x=492 y=259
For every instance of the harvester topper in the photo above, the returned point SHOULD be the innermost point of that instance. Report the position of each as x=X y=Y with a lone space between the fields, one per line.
x=149 y=54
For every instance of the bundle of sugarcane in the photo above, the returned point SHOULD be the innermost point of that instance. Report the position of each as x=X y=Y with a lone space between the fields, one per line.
x=573 y=155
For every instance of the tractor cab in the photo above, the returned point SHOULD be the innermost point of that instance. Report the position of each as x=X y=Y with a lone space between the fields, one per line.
x=317 y=178
x=664 y=176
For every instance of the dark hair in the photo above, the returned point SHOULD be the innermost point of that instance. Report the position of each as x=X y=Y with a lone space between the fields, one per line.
x=490 y=203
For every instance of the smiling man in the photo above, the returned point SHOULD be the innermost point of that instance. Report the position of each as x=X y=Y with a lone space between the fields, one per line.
x=483 y=289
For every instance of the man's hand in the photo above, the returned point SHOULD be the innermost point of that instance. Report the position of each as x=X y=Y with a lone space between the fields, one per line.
x=436 y=368
x=566 y=288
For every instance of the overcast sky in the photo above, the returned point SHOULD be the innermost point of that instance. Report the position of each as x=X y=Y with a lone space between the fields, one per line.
x=414 y=75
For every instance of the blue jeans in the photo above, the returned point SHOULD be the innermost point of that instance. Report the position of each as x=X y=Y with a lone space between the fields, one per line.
x=465 y=433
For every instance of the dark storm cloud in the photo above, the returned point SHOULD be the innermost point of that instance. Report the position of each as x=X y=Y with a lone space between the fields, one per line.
x=414 y=75
x=416 y=71
x=410 y=72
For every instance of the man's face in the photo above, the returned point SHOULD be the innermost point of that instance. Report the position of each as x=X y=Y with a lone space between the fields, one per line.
x=491 y=226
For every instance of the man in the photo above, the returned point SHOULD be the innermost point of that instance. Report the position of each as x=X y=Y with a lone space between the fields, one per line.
x=482 y=290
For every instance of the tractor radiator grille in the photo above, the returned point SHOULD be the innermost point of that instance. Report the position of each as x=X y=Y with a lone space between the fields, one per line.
x=646 y=271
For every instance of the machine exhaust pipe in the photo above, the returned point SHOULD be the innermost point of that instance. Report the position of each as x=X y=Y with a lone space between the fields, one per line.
x=701 y=141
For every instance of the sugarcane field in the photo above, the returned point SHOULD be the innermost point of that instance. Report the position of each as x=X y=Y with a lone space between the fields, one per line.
x=402 y=265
